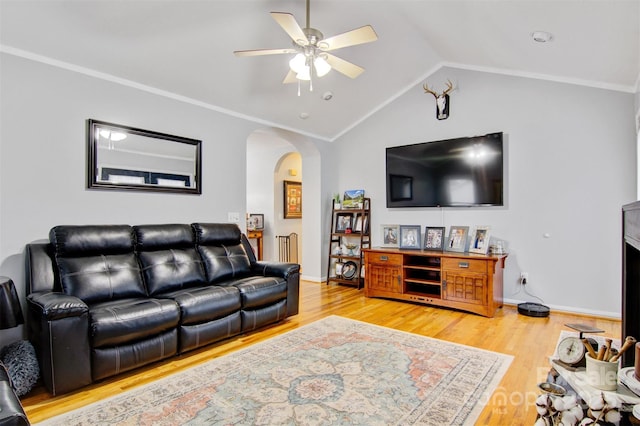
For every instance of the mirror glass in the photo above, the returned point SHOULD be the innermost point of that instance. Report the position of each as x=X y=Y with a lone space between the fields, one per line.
x=122 y=157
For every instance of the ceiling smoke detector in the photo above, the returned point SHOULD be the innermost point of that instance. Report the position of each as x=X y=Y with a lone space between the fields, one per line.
x=327 y=96
x=541 y=36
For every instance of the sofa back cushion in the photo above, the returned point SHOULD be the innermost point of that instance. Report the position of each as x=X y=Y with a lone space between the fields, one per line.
x=222 y=251
x=97 y=262
x=168 y=257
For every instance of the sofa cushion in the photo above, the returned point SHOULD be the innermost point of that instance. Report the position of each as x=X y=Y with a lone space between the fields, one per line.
x=224 y=262
x=97 y=262
x=167 y=270
x=87 y=240
x=159 y=237
x=259 y=291
x=101 y=278
x=216 y=234
x=207 y=303
x=220 y=246
x=117 y=322
x=168 y=257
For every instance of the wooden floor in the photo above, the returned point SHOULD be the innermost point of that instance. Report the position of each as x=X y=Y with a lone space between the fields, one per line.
x=529 y=340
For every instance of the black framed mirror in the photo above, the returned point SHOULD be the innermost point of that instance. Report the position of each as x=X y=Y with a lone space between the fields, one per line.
x=126 y=158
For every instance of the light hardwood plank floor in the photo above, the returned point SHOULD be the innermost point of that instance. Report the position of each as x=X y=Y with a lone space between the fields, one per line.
x=529 y=340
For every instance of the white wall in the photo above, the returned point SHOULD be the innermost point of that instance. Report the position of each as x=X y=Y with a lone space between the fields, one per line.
x=570 y=163
x=43 y=157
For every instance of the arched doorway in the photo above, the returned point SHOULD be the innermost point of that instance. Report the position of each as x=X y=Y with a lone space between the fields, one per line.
x=265 y=151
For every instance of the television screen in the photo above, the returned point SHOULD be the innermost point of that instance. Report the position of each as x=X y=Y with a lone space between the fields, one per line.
x=462 y=172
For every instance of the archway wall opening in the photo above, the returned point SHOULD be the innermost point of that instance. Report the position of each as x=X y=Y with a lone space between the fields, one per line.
x=265 y=149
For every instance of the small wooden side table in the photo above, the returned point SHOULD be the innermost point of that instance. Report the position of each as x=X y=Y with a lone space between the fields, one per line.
x=257 y=235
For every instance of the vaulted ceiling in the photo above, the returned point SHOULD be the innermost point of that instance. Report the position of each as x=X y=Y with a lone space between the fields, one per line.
x=184 y=48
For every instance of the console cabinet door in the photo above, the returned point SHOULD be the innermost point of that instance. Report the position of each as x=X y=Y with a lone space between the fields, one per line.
x=466 y=287
x=384 y=273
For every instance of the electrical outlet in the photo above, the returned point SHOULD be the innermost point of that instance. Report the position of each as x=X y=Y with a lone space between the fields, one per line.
x=233 y=217
x=524 y=277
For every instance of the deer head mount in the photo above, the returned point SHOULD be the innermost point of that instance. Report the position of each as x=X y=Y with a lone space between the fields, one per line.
x=442 y=100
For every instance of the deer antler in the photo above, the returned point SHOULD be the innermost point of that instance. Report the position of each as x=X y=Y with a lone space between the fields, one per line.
x=449 y=87
x=447 y=90
x=427 y=90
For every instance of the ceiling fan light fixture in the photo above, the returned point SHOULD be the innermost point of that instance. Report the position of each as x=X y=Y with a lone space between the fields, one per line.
x=322 y=66
x=304 y=74
x=298 y=63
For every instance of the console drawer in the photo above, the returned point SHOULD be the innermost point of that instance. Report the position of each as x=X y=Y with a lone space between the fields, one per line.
x=384 y=258
x=469 y=265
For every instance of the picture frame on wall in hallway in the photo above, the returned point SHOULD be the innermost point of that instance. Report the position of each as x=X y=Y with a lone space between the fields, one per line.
x=292 y=199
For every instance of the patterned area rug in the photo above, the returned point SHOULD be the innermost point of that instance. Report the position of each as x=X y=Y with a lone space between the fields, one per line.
x=335 y=371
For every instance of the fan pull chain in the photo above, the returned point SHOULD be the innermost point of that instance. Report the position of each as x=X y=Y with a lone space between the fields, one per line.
x=298 y=88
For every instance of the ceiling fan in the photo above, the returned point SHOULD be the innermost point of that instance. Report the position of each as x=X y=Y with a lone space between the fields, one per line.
x=311 y=49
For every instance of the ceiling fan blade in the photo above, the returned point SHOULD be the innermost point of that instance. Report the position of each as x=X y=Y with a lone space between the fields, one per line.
x=360 y=35
x=260 y=52
x=289 y=24
x=345 y=67
x=290 y=78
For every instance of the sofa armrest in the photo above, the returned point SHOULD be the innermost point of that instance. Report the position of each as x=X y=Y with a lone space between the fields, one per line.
x=59 y=332
x=53 y=306
x=275 y=269
x=12 y=413
x=290 y=272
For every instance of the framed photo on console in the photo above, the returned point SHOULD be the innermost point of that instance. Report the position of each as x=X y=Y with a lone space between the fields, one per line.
x=479 y=242
x=457 y=240
x=389 y=235
x=410 y=236
x=434 y=238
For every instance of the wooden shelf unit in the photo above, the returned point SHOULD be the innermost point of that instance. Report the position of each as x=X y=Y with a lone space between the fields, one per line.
x=362 y=238
x=469 y=282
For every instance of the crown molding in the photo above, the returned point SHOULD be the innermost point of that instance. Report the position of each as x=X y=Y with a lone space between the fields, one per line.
x=546 y=77
x=145 y=88
x=149 y=89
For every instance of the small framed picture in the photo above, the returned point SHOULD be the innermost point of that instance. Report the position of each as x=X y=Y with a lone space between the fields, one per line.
x=457 y=240
x=343 y=222
x=389 y=235
x=292 y=199
x=434 y=238
x=479 y=242
x=361 y=223
x=255 y=221
x=409 y=236
x=353 y=199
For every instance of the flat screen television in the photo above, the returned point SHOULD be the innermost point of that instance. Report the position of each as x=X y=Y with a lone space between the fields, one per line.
x=462 y=172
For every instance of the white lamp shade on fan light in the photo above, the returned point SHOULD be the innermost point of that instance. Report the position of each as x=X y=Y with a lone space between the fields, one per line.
x=299 y=65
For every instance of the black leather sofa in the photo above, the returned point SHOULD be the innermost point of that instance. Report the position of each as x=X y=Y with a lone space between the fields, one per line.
x=105 y=299
x=11 y=411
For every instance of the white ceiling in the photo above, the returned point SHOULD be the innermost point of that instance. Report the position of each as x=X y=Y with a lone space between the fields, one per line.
x=184 y=48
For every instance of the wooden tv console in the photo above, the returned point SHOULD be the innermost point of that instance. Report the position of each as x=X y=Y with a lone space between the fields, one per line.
x=469 y=282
